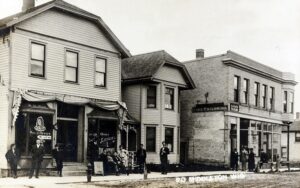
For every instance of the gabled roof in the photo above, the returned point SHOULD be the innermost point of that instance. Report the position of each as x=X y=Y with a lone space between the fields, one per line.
x=143 y=67
x=60 y=4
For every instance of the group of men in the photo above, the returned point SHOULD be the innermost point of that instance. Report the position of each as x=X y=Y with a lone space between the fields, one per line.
x=245 y=157
x=37 y=151
x=117 y=162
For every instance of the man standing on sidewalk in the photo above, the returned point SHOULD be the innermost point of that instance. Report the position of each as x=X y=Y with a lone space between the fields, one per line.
x=141 y=155
x=13 y=157
x=37 y=152
x=164 y=152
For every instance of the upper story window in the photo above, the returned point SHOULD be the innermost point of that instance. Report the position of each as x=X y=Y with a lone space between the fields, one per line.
x=151 y=97
x=169 y=98
x=271 y=98
x=291 y=101
x=264 y=96
x=285 y=102
x=100 y=72
x=236 y=89
x=297 y=136
x=71 y=69
x=245 y=90
x=37 y=60
x=256 y=94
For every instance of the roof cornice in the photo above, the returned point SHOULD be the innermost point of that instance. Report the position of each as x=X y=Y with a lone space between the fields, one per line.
x=237 y=64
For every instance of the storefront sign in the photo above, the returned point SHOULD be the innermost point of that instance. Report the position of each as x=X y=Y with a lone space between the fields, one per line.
x=44 y=137
x=234 y=107
x=209 y=107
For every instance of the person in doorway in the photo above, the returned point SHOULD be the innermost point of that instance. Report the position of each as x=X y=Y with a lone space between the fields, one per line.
x=141 y=156
x=263 y=158
x=234 y=160
x=123 y=154
x=243 y=158
x=12 y=157
x=37 y=152
x=58 y=155
x=251 y=160
x=163 y=153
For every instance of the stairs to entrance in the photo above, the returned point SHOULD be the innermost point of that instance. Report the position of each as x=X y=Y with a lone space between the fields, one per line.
x=74 y=169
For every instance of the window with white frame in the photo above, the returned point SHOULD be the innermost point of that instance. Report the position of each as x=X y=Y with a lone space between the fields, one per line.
x=37 y=59
x=246 y=90
x=150 y=138
x=256 y=94
x=169 y=138
x=285 y=95
x=100 y=72
x=151 y=97
x=264 y=96
x=291 y=101
x=271 y=98
x=236 y=90
x=71 y=69
x=297 y=136
x=169 y=98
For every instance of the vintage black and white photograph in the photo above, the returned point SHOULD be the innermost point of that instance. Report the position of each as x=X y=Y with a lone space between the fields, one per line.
x=149 y=93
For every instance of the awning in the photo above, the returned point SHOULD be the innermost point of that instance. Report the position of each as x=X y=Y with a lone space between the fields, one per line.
x=103 y=114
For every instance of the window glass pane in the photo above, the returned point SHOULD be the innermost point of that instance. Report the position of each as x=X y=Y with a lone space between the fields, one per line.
x=169 y=98
x=99 y=79
x=150 y=139
x=100 y=65
x=71 y=59
x=36 y=68
x=151 y=97
x=37 y=51
x=70 y=74
x=169 y=138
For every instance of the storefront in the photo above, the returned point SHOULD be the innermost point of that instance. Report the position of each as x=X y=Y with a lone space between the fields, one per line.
x=258 y=135
x=68 y=121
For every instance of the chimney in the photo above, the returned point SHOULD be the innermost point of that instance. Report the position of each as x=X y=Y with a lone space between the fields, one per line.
x=27 y=4
x=199 y=53
x=298 y=116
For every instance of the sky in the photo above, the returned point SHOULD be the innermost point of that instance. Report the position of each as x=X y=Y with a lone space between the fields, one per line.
x=267 y=31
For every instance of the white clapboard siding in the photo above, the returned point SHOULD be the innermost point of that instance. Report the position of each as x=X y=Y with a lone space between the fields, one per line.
x=131 y=95
x=170 y=74
x=4 y=59
x=54 y=82
x=62 y=25
x=4 y=113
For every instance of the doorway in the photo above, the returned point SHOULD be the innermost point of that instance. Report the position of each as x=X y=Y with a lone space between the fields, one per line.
x=67 y=137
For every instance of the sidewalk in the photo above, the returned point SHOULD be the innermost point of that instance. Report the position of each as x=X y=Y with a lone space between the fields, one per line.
x=48 y=181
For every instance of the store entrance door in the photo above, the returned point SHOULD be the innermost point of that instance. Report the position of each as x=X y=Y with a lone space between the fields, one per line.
x=67 y=137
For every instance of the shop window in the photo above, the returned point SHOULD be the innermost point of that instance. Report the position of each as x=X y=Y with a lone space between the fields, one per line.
x=285 y=102
x=169 y=98
x=256 y=94
x=71 y=69
x=37 y=60
x=297 y=136
x=151 y=139
x=33 y=126
x=132 y=140
x=151 y=97
x=236 y=88
x=246 y=90
x=100 y=72
x=169 y=138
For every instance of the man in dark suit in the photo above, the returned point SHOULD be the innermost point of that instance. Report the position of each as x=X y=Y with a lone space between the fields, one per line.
x=141 y=155
x=58 y=155
x=164 y=152
x=13 y=156
x=37 y=152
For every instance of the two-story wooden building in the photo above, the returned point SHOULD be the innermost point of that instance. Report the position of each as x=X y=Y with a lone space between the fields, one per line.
x=60 y=70
x=151 y=86
x=237 y=103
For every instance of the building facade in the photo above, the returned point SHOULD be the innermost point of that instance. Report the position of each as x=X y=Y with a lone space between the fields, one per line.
x=151 y=86
x=60 y=70
x=294 y=141
x=237 y=103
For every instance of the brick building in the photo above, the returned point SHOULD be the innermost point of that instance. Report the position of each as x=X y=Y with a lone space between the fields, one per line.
x=237 y=103
x=151 y=84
